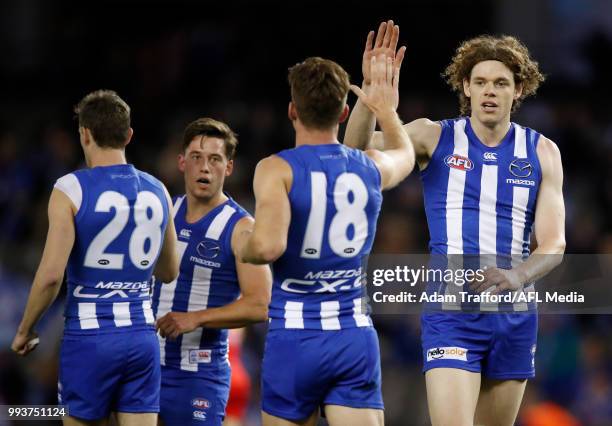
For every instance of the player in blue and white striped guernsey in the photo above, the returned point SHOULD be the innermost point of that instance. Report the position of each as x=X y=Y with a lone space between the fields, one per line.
x=487 y=183
x=194 y=312
x=316 y=211
x=109 y=226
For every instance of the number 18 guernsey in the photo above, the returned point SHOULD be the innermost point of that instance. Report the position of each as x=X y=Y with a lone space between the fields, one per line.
x=335 y=200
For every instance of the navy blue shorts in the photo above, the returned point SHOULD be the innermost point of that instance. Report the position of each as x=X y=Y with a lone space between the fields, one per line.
x=498 y=345
x=195 y=398
x=306 y=369
x=109 y=372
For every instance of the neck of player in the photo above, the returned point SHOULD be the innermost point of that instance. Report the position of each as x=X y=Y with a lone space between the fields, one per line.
x=490 y=134
x=198 y=207
x=100 y=157
x=309 y=136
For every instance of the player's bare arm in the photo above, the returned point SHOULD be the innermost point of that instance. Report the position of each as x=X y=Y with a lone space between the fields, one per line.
x=549 y=228
x=396 y=161
x=424 y=135
x=255 y=283
x=362 y=122
x=48 y=279
x=268 y=240
x=360 y=133
x=167 y=266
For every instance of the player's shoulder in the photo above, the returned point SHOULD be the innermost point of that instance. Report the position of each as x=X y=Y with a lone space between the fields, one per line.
x=243 y=223
x=147 y=177
x=76 y=176
x=72 y=176
x=177 y=201
x=355 y=155
x=74 y=180
x=239 y=210
x=425 y=133
x=374 y=155
x=549 y=156
x=242 y=219
x=352 y=152
x=544 y=146
x=275 y=164
x=70 y=185
x=274 y=160
x=285 y=159
x=547 y=147
x=547 y=152
x=427 y=127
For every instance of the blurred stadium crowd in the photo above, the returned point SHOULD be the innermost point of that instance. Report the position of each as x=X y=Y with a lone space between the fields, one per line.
x=174 y=62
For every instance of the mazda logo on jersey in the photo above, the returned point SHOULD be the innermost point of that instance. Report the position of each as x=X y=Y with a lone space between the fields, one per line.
x=208 y=249
x=459 y=162
x=520 y=168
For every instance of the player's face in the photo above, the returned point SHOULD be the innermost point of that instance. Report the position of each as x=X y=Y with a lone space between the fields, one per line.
x=491 y=90
x=205 y=166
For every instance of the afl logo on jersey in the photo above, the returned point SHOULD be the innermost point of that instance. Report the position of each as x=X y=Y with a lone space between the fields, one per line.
x=520 y=168
x=208 y=249
x=200 y=403
x=459 y=162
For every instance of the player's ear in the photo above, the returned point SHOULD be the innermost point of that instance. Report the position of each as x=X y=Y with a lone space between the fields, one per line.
x=345 y=114
x=291 y=112
x=518 y=90
x=181 y=162
x=466 y=87
x=230 y=168
x=129 y=136
x=84 y=136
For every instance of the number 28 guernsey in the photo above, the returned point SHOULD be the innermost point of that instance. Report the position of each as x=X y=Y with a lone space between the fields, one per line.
x=120 y=222
x=335 y=200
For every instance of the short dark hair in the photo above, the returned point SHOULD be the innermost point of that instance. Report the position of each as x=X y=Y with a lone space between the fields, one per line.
x=107 y=117
x=506 y=49
x=213 y=128
x=318 y=90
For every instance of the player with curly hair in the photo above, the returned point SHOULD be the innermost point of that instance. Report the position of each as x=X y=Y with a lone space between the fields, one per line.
x=487 y=182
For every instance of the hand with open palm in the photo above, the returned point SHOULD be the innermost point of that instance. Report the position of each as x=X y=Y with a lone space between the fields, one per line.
x=384 y=44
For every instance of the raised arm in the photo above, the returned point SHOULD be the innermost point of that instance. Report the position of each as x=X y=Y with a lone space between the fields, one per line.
x=255 y=289
x=360 y=134
x=396 y=161
x=167 y=266
x=48 y=278
x=362 y=121
x=268 y=240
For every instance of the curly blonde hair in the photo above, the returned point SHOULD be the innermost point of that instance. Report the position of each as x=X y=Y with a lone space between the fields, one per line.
x=506 y=49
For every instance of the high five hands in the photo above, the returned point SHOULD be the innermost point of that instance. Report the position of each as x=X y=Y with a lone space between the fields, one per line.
x=381 y=66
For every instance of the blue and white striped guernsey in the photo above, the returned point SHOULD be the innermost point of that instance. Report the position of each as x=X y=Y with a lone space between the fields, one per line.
x=207 y=279
x=335 y=201
x=120 y=222
x=480 y=200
